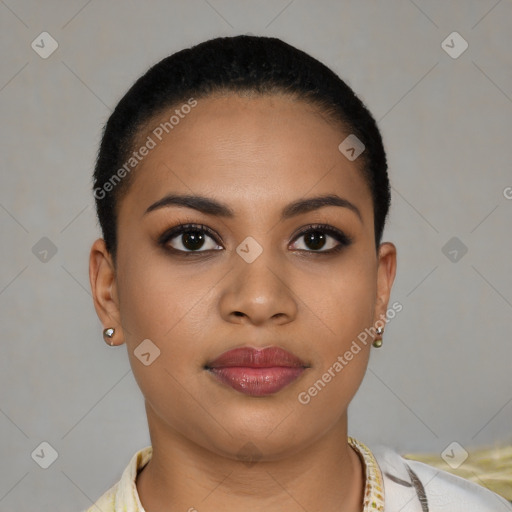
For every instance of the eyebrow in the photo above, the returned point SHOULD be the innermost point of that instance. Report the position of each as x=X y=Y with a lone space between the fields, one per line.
x=210 y=206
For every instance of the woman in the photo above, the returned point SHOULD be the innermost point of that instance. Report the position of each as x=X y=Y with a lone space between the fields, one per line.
x=242 y=191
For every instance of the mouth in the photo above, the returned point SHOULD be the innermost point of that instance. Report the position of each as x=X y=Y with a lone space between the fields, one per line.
x=256 y=372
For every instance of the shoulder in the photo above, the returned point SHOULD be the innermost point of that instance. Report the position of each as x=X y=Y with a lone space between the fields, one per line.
x=411 y=486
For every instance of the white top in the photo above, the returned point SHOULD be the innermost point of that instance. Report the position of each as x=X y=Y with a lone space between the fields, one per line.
x=413 y=486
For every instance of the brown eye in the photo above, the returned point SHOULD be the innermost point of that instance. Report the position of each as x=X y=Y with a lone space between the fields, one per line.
x=189 y=238
x=317 y=237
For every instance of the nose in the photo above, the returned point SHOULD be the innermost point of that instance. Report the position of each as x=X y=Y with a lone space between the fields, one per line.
x=258 y=292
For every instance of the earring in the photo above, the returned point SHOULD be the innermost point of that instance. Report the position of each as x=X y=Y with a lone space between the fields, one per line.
x=377 y=342
x=108 y=335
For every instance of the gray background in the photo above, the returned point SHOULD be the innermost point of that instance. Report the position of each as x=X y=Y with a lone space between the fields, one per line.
x=444 y=371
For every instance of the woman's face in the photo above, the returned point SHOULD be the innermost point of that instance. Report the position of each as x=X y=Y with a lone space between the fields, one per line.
x=251 y=281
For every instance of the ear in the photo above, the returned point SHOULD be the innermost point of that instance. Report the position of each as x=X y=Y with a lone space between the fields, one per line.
x=386 y=270
x=102 y=276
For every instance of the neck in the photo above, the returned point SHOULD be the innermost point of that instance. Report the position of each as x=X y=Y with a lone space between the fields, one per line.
x=327 y=475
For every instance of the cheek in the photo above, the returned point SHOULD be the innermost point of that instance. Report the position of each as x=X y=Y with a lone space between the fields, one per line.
x=341 y=308
x=157 y=304
x=151 y=298
x=168 y=304
x=341 y=302
x=147 y=304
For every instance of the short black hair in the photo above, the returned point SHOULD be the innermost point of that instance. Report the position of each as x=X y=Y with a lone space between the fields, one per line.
x=244 y=63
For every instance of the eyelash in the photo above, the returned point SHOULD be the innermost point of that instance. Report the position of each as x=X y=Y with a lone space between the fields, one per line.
x=343 y=239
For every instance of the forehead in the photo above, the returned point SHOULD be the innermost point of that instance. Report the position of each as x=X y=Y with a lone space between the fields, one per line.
x=256 y=151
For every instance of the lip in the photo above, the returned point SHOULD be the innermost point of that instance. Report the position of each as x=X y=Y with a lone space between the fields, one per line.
x=256 y=372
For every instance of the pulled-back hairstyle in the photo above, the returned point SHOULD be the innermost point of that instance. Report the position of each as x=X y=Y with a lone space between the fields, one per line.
x=261 y=65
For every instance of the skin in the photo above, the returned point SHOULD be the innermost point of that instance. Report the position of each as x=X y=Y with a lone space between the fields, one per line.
x=256 y=154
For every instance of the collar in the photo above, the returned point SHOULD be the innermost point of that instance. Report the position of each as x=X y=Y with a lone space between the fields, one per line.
x=126 y=498
x=373 y=499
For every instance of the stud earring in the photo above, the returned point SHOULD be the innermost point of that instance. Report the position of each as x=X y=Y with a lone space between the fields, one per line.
x=108 y=335
x=377 y=342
